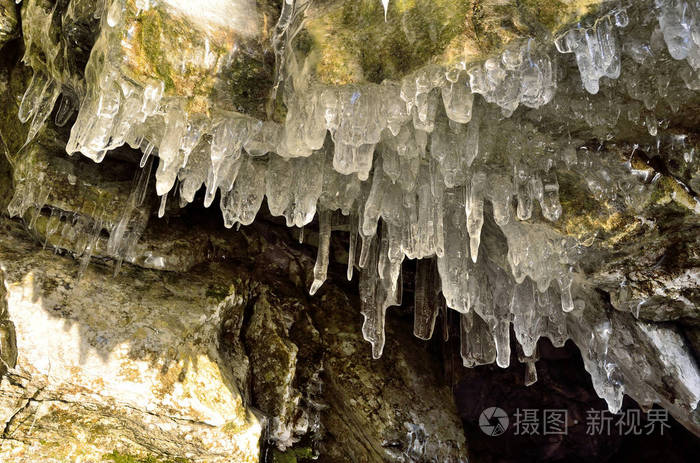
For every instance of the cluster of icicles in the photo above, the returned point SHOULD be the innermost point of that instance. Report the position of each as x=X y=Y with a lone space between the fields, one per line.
x=403 y=152
x=81 y=231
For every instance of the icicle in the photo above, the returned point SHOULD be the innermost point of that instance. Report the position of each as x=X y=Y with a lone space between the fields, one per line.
x=353 y=243
x=604 y=372
x=426 y=306
x=372 y=306
x=551 y=208
x=596 y=49
x=530 y=373
x=93 y=236
x=169 y=149
x=161 y=209
x=385 y=4
x=678 y=21
x=65 y=110
x=567 y=302
x=285 y=30
x=130 y=225
x=524 y=193
x=324 y=242
x=500 y=193
x=242 y=202
x=458 y=100
x=374 y=204
x=142 y=184
x=445 y=322
x=526 y=317
x=379 y=290
x=365 y=250
x=477 y=346
x=43 y=104
x=146 y=153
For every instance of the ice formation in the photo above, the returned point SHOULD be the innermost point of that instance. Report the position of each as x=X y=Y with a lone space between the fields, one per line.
x=418 y=168
x=385 y=5
x=123 y=221
x=596 y=49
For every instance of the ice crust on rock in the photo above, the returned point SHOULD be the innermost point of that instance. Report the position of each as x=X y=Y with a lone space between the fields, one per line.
x=427 y=168
x=596 y=49
x=679 y=21
x=122 y=217
x=523 y=75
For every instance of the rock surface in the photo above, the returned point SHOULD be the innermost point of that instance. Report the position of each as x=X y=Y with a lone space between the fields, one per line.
x=129 y=364
x=198 y=366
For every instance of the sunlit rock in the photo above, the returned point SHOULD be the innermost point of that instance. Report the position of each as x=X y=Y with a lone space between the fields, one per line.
x=99 y=372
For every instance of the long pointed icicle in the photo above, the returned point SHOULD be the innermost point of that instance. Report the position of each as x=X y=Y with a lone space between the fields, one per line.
x=379 y=290
x=442 y=308
x=526 y=317
x=372 y=327
x=32 y=96
x=353 y=245
x=426 y=307
x=373 y=205
x=324 y=242
x=139 y=184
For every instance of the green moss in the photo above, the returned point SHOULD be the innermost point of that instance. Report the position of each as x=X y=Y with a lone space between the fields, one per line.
x=574 y=196
x=292 y=455
x=162 y=45
x=584 y=218
x=218 y=292
x=245 y=82
x=149 y=35
x=668 y=190
x=352 y=42
x=118 y=457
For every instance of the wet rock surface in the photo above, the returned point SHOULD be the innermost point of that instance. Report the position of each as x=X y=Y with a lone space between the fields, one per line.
x=203 y=365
